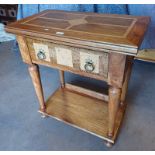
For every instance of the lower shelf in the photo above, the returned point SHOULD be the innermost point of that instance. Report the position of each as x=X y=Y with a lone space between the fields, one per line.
x=83 y=112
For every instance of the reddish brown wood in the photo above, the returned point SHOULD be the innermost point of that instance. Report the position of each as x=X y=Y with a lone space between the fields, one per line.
x=62 y=78
x=34 y=73
x=114 y=100
x=24 y=49
x=103 y=58
x=116 y=69
x=87 y=92
x=82 y=112
x=127 y=74
x=121 y=32
x=112 y=37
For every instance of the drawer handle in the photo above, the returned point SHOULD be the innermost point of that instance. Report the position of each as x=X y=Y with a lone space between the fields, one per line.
x=89 y=66
x=60 y=33
x=41 y=55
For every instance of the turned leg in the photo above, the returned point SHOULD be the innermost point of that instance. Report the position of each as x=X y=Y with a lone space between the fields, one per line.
x=35 y=75
x=108 y=144
x=62 y=79
x=114 y=99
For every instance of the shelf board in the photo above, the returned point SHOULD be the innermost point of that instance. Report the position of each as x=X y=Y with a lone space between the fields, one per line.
x=83 y=112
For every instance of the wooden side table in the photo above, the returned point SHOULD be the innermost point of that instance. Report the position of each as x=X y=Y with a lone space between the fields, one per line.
x=99 y=46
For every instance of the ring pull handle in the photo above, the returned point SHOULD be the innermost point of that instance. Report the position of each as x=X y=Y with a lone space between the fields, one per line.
x=89 y=66
x=41 y=55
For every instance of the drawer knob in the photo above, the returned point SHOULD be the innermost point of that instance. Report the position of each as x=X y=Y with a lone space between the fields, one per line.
x=89 y=66
x=41 y=55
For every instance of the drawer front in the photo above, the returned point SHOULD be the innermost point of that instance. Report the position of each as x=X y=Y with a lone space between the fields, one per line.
x=84 y=60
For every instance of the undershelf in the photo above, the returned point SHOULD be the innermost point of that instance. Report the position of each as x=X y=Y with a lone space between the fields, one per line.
x=83 y=112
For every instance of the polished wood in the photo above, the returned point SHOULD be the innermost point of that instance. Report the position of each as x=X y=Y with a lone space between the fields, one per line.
x=116 y=69
x=62 y=78
x=83 y=112
x=103 y=58
x=69 y=69
x=34 y=73
x=121 y=32
x=114 y=101
x=146 y=55
x=99 y=46
x=24 y=49
x=87 y=92
x=127 y=74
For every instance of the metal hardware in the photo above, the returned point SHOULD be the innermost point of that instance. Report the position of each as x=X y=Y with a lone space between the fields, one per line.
x=41 y=55
x=89 y=66
x=60 y=33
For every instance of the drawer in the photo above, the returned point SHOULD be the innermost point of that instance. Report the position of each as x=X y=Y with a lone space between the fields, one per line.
x=84 y=60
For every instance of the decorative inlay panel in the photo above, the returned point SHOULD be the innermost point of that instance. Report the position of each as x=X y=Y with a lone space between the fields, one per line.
x=94 y=62
x=64 y=56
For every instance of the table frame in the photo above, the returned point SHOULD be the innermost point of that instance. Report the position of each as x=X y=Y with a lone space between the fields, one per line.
x=118 y=77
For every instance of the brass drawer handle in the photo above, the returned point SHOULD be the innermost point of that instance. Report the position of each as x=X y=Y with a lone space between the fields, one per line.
x=89 y=66
x=41 y=55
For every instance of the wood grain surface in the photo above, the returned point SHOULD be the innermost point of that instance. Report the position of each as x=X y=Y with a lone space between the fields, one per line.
x=146 y=55
x=35 y=76
x=97 y=30
x=68 y=37
x=24 y=49
x=116 y=69
x=90 y=115
x=87 y=92
x=103 y=58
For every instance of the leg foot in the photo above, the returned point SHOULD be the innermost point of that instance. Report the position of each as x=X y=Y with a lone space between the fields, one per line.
x=109 y=144
x=44 y=115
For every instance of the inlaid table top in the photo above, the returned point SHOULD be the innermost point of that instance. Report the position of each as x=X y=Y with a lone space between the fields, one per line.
x=100 y=30
x=98 y=46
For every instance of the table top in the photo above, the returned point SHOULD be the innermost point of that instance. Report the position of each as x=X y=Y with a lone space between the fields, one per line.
x=100 y=30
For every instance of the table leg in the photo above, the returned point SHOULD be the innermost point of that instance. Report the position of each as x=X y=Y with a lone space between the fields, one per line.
x=126 y=81
x=62 y=79
x=124 y=88
x=35 y=76
x=114 y=99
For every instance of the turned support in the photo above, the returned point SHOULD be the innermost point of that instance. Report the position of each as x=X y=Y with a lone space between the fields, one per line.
x=114 y=100
x=62 y=78
x=35 y=76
